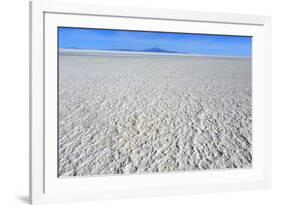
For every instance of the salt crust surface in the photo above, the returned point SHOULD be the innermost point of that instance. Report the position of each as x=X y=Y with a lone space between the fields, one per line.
x=143 y=114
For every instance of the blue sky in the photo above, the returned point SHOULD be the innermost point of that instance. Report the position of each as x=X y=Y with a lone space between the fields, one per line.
x=182 y=43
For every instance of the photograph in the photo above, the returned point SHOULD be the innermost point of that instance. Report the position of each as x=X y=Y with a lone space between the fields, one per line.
x=142 y=102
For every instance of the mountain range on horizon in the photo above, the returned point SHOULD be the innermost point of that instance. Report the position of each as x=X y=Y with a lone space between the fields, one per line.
x=152 y=50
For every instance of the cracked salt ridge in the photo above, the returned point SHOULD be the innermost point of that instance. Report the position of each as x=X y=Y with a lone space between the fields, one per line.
x=143 y=114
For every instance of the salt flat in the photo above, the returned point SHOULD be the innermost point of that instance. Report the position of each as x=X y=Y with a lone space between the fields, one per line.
x=141 y=114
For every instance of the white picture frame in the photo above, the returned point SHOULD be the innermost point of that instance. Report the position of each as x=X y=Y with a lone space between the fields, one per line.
x=46 y=187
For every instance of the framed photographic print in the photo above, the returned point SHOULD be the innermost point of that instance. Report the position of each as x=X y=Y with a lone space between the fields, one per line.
x=129 y=102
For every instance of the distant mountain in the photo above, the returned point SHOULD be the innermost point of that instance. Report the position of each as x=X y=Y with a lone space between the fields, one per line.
x=157 y=50
x=153 y=50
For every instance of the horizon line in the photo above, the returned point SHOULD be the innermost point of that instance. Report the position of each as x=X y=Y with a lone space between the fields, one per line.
x=79 y=51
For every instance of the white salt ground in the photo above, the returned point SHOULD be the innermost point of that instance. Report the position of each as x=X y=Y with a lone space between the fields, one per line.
x=124 y=114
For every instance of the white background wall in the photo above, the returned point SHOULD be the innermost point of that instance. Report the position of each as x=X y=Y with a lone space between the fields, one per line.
x=14 y=100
